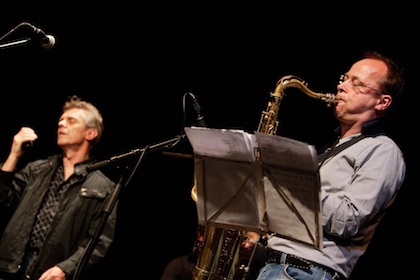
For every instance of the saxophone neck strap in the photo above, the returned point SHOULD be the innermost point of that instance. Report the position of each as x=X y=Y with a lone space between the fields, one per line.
x=333 y=150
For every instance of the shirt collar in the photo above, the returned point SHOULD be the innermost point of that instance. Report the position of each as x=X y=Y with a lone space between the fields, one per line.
x=369 y=128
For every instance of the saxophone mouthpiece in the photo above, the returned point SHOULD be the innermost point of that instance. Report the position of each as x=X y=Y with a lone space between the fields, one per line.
x=338 y=99
x=330 y=98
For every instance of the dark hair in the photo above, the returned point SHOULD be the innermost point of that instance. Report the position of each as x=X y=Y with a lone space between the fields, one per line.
x=394 y=82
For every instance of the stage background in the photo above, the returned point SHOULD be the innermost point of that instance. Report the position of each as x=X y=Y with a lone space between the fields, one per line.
x=137 y=62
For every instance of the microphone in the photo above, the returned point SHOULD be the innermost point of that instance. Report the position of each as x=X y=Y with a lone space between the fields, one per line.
x=27 y=145
x=47 y=41
x=197 y=108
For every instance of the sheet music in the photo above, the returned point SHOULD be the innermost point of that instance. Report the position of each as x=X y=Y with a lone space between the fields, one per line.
x=227 y=193
x=286 y=153
x=277 y=191
x=231 y=144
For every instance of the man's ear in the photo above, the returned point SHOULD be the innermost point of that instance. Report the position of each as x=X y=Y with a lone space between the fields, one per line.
x=91 y=134
x=384 y=102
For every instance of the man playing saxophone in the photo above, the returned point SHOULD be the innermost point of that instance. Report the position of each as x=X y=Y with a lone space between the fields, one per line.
x=360 y=175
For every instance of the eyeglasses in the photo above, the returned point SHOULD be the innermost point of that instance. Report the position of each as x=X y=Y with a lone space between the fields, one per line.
x=357 y=87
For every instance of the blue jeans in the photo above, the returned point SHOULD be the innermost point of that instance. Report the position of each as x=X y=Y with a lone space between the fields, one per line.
x=273 y=271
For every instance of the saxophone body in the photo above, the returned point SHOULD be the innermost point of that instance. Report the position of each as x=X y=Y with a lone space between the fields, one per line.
x=221 y=252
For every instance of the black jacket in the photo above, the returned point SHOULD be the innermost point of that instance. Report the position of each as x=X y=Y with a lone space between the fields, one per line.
x=74 y=223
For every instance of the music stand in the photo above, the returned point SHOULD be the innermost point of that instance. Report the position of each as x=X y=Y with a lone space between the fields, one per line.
x=257 y=182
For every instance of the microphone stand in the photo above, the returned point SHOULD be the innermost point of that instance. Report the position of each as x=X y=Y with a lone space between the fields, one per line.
x=150 y=148
x=15 y=43
x=113 y=197
x=109 y=205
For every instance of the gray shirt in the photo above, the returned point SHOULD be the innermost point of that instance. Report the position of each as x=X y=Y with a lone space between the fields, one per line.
x=357 y=186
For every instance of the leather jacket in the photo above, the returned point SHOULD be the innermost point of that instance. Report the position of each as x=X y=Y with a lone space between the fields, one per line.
x=75 y=222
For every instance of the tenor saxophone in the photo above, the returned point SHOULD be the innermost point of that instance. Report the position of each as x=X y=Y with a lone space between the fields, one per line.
x=221 y=254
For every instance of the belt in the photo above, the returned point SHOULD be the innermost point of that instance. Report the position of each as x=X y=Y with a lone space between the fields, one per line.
x=283 y=258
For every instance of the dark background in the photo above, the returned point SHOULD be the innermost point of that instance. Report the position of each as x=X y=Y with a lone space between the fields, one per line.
x=136 y=63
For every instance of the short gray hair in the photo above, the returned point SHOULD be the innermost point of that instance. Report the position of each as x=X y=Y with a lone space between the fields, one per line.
x=93 y=118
